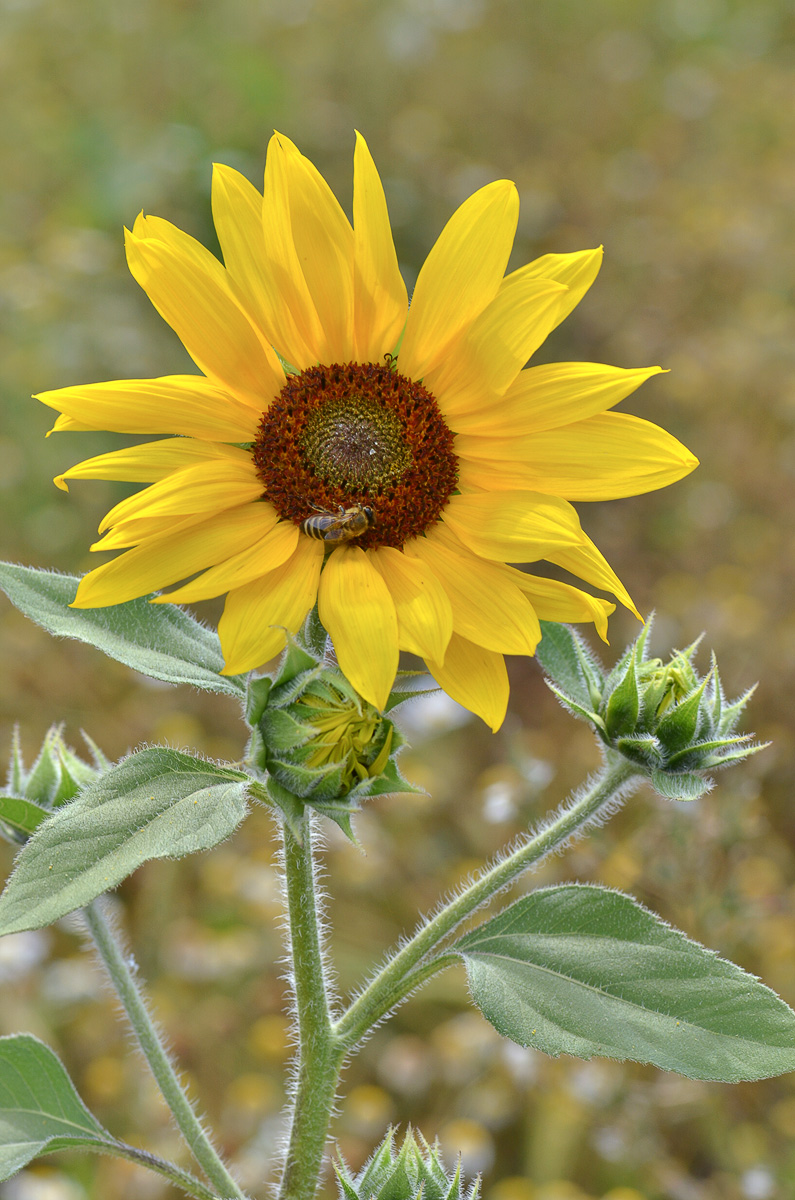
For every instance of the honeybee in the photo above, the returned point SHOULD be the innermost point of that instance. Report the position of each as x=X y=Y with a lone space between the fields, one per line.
x=341 y=526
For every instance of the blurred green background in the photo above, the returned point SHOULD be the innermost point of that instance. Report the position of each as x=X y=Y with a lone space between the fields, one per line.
x=662 y=128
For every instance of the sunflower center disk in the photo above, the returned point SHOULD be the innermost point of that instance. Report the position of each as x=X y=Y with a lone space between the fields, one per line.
x=357 y=434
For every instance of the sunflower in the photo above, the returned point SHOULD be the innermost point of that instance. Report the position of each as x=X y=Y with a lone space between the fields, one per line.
x=386 y=461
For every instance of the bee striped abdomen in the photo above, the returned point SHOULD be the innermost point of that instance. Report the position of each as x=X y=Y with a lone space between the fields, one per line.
x=341 y=526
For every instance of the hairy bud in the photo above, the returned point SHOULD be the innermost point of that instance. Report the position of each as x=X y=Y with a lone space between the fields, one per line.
x=55 y=778
x=669 y=722
x=414 y=1172
x=318 y=741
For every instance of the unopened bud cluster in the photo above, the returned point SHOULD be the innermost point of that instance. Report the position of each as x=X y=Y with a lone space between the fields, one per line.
x=320 y=743
x=55 y=778
x=671 y=723
x=414 y=1172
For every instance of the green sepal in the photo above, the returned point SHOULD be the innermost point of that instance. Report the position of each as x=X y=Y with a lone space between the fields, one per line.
x=400 y=694
x=576 y=710
x=742 y=752
x=15 y=779
x=643 y=749
x=682 y=786
x=44 y=777
x=289 y=805
x=257 y=693
x=623 y=706
x=101 y=760
x=282 y=730
x=731 y=713
x=415 y=1172
x=317 y=785
x=292 y=808
x=569 y=663
x=698 y=754
x=678 y=727
x=341 y=816
x=313 y=636
x=295 y=665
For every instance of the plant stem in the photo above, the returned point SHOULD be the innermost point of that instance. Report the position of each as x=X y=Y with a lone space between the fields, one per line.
x=401 y=973
x=159 y=1062
x=182 y=1179
x=320 y=1053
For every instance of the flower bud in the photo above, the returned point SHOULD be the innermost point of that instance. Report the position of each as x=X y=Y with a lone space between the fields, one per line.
x=414 y=1172
x=320 y=743
x=663 y=717
x=55 y=778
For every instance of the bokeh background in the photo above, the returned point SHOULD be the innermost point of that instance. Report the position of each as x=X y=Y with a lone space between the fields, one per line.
x=662 y=128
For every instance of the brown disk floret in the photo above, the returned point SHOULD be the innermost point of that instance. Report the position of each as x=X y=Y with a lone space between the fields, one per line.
x=357 y=433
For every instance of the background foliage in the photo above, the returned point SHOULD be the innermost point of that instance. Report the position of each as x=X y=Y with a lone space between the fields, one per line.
x=662 y=128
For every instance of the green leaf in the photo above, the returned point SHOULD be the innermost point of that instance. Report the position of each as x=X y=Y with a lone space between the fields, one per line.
x=21 y=814
x=40 y=1111
x=571 y=666
x=159 y=640
x=584 y=970
x=158 y=803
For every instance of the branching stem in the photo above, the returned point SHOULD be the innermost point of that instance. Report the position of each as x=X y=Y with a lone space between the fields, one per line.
x=125 y=986
x=412 y=964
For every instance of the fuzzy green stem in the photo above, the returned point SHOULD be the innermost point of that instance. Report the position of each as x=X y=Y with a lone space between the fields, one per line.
x=320 y=1053
x=181 y=1179
x=159 y=1062
x=405 y=970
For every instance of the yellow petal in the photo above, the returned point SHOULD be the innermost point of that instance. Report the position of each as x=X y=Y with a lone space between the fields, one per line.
x=380 y=299
x=425 y=618
x=158 y=563
x=238 y=217
x=603 y=458
x=292 y=292
x=496 y=348
x=588 y=563
x=137 y=530
x=323 y=241
x=555 y=394
x=487 y=607
x=355 y=607
x=461 y=275
x=199 y=305
x=474 y=677
x=270 y=551
x=208 y=487
x=146 y=463
x=577 y=271
x=556 y=601
x=512 y=526
x=256 y=615
x=185 y=404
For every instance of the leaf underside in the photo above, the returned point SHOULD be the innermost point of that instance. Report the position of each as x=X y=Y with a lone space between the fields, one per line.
x=158 y=803
x=586 y=971
x=40 y=1110
x=162 y=641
